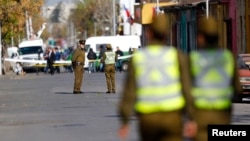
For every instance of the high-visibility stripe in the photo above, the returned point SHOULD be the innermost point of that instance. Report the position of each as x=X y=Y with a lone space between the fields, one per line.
x=146 y=107
x=173 y=88
x=110 y=58
x=158 y=80
x=212 y=72
x=44 y=65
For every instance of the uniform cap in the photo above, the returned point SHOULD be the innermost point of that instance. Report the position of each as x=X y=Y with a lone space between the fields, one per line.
x=208 y=25
x=109 y=46
x=160 y=24
x=82 y=42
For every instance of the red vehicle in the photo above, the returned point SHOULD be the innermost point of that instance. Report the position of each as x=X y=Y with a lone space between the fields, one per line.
x=243 y=62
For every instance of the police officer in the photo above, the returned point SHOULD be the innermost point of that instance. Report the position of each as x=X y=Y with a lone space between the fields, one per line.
x=154 y=87
x=78 y=60
x=109 y=58
x=214 y=78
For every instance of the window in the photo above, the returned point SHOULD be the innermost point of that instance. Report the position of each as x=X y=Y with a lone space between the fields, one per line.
x=86 y=48
x=30 y=50
x=241 y=61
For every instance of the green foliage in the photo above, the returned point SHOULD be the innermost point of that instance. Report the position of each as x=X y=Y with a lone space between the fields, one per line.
x=91 y=12
x=12 y=17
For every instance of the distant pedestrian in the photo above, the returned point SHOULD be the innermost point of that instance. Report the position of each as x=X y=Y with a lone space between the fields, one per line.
x=19 y=69
x=101 y=52
x=92 y=58
x=51 y=60
x=39 y=58
x=57 y=58
x=46 y=57
x=118 y=64
x=68 y=57
x=130 y=51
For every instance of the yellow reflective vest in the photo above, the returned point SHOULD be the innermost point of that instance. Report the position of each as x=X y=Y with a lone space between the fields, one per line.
x=110 y=58
x=158 y=80
x=212 y=73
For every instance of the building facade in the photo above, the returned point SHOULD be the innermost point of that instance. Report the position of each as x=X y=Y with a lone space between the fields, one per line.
x=233 y=19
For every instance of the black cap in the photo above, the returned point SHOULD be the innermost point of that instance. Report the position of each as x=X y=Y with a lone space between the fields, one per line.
x=109 y=46
x=82 y=42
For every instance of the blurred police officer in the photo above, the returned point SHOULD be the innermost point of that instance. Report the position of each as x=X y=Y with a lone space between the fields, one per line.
x=214 y=78
x=109 y=58
x=154 y=87
x=78 y=60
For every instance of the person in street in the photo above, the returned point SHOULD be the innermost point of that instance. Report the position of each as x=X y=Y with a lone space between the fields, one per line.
x=45 y=57
x=130 y=51
x=109 y=58
x=57 y=58
x=68 y=56
x=92 y=58
x=39 y=58
x=118 y=64
x=214 y=80
x=19 y=69
x=51 y=60
x=78 y=60
x=101 y=53
x=156 y=88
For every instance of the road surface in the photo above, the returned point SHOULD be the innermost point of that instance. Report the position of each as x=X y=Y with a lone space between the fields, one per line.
x=43 y=108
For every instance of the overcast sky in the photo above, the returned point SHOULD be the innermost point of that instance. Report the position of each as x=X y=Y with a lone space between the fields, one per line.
x=54 y=2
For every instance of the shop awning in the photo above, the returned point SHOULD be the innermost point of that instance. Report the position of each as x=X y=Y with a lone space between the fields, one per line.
x=147 y=10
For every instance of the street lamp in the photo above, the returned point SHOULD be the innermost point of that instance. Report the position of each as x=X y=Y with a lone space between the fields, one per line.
x=0 y=49
x=114 y=21
x=95 y=24
x=106 y=26
x=106 y=30
x=207 y=8
x=94 y=28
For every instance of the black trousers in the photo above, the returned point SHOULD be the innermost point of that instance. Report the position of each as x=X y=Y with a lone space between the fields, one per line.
x=51 y=67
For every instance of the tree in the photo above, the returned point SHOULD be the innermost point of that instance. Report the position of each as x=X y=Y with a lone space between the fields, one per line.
x=12 y=16
x=91 y=12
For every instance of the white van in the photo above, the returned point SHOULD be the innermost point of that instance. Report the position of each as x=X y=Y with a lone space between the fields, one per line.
x=123 y=42
x=13 y=54
x=30 y=50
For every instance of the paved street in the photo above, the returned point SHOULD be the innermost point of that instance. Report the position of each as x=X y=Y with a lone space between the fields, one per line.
x=43 y=108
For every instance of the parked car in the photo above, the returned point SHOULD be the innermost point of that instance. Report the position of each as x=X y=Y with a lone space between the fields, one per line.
x=243 y=62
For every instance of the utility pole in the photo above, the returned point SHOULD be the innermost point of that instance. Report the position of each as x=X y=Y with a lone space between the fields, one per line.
x=157 y=7
x=27 y=25
x=114 y=18
x=207 y=8
x=95 y=28
x=0 y=49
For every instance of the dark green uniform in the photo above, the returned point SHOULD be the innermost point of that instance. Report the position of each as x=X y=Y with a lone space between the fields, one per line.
x=109 y=69
x=214 y=80
x=203 y=116
x=156 y=87
x=158 y=126
x=78 y=60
